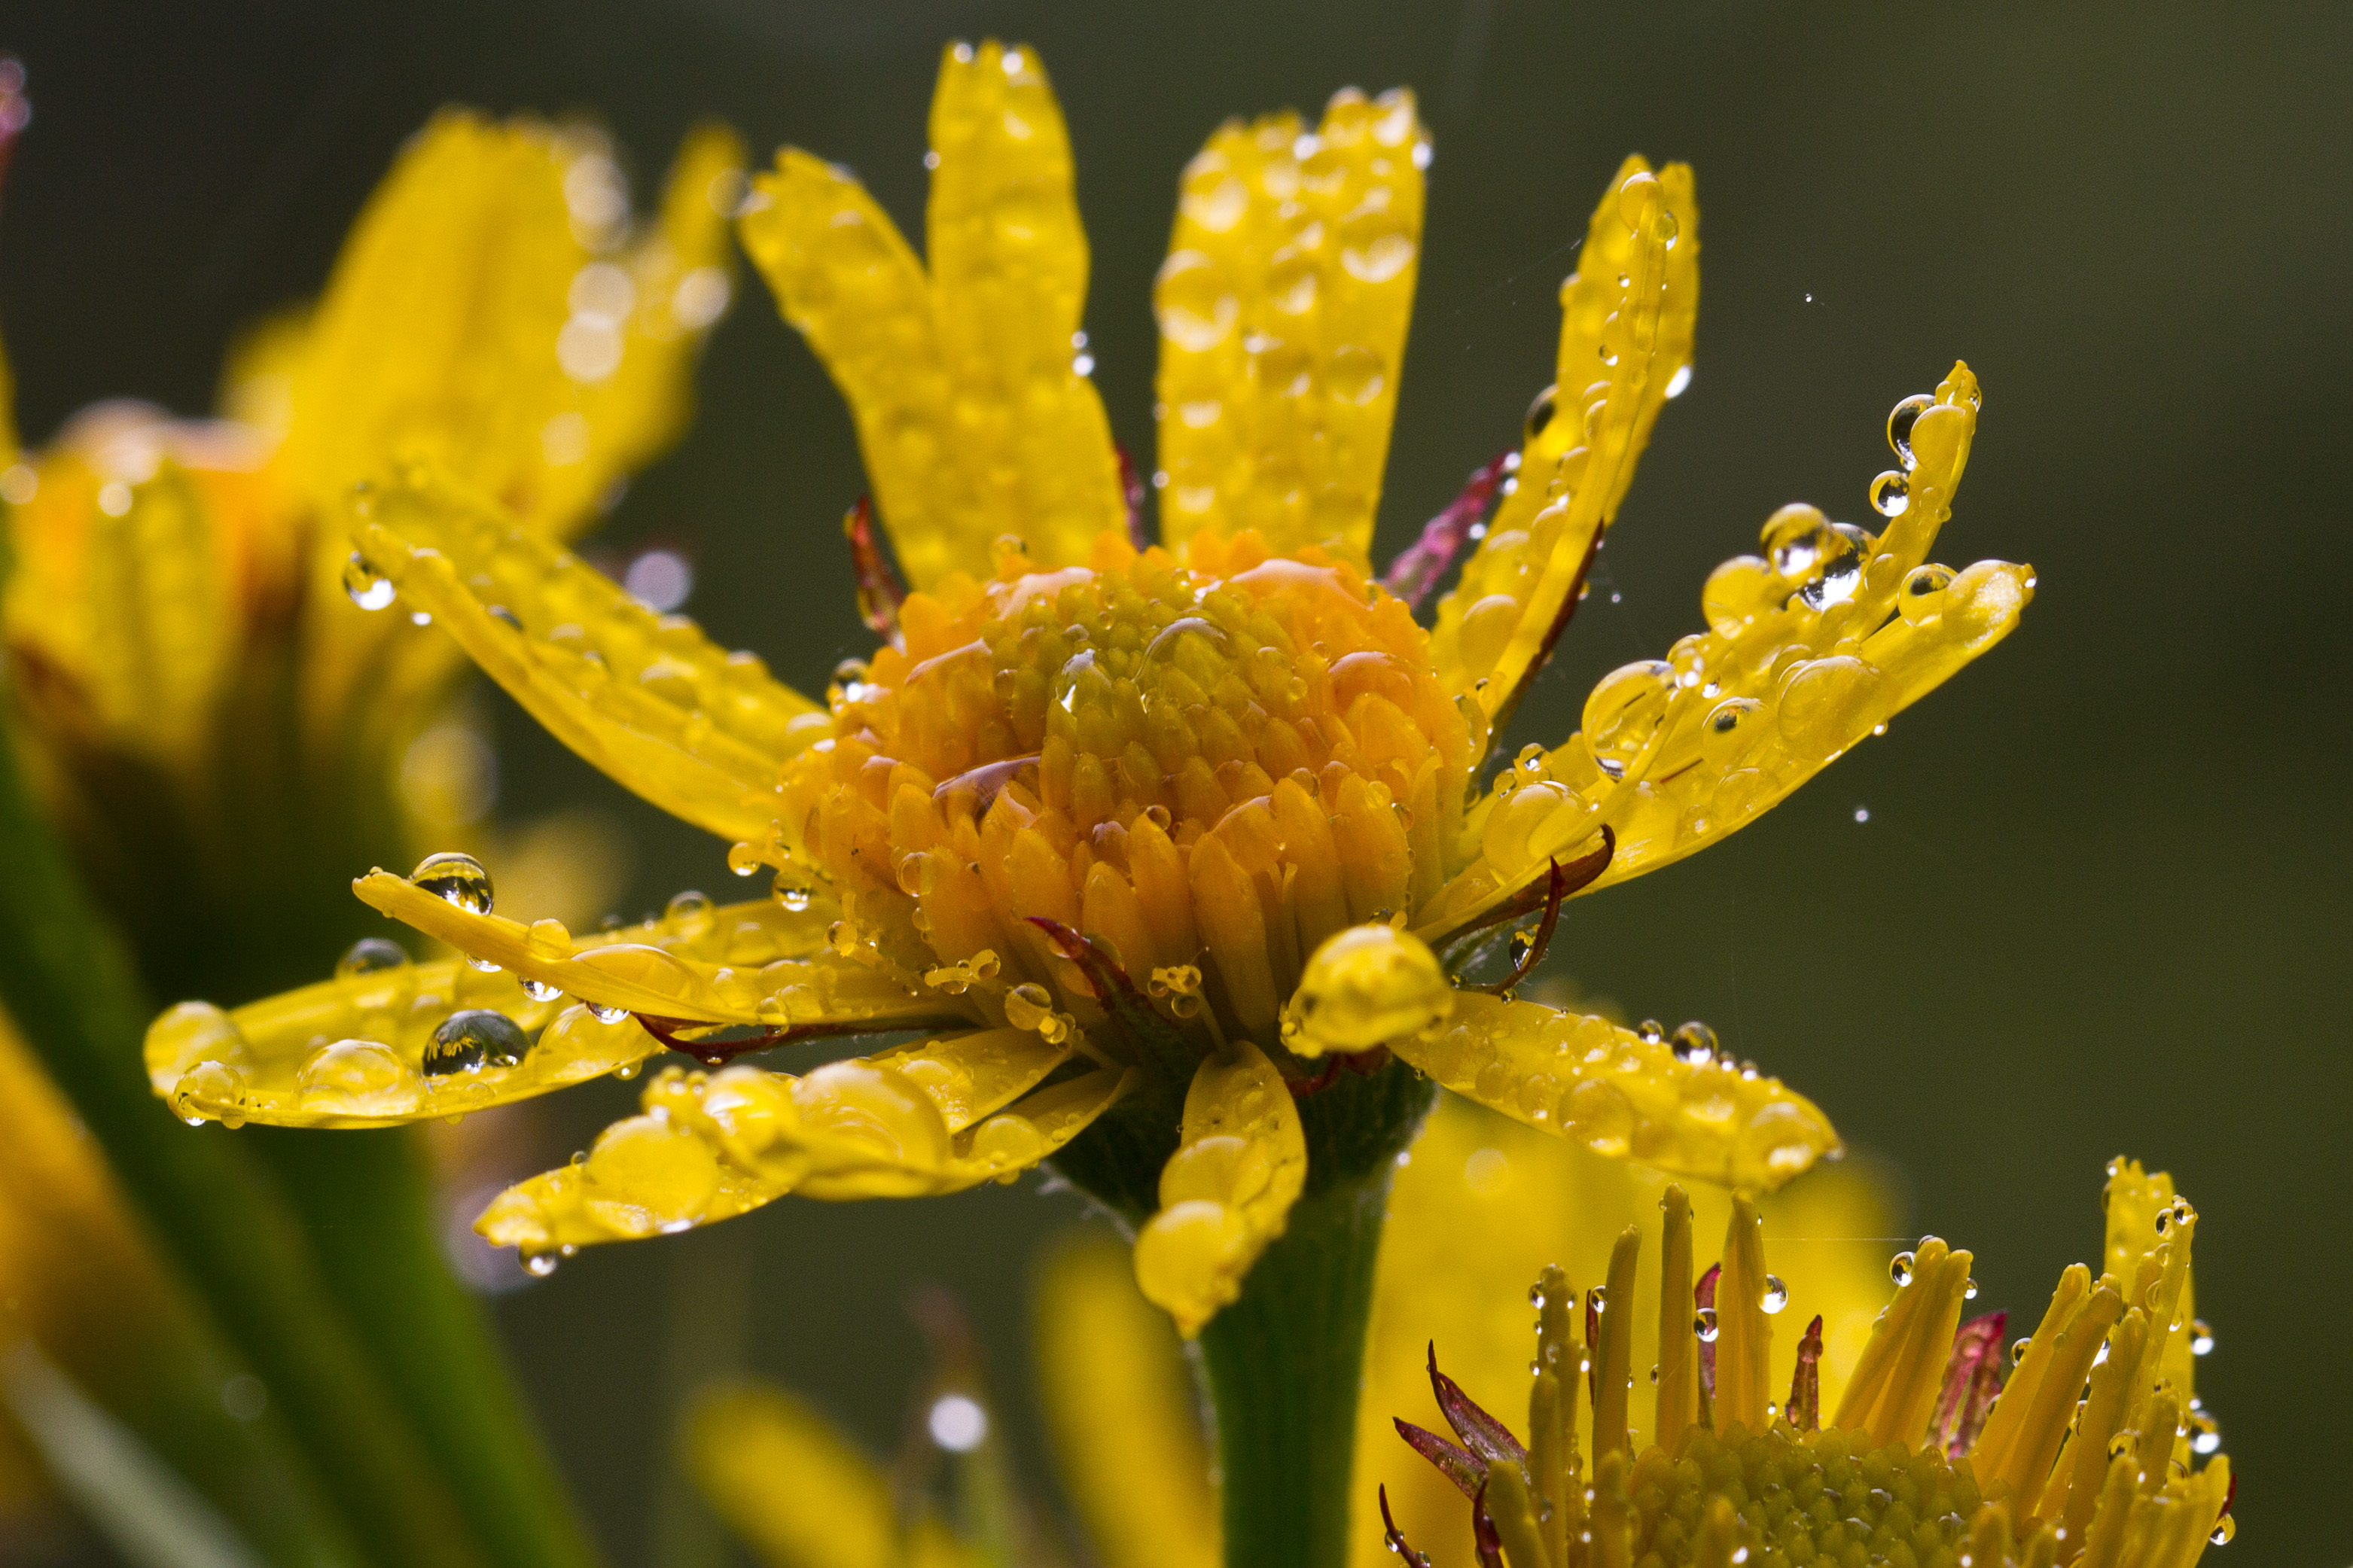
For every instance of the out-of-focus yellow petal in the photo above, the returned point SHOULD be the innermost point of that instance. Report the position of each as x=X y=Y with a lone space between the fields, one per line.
x=1623 y=1094
x=1802 y=660
x=1240 y=1161
x=919 y=1121
x=970 y=413
x=1484 y=1204
x=788 y=1484
x=1282 y=307
x=2147 y=1219
x=492 y=311
x=1627 y=318
x=649 y=698
x=352 y=1051
x=1120 y=1408
x=137 y=562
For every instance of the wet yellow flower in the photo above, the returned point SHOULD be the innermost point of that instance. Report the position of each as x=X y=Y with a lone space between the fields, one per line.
x=2095 y=1450
x=195 y=683
x=1128 y=836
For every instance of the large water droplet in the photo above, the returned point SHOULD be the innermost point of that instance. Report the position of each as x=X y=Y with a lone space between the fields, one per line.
x=540 y=990
x=605 y=1014
x=1899 y=1269
x=539 y=1264
x=2019 y=1347
x=2201 y=1338
x=1838 y=567
x=689 y=915
x=1793 y=539
x=370 y=955
x=473 y=1038
x=1891 y=494
x=368 y=588
x=1900 y=420
x=2226 y=1529
x=1923 y=594
x=1624 y=711
x=1695 y=1043
x=1703 y=1325
x=1777 y=1295
x=460 y=879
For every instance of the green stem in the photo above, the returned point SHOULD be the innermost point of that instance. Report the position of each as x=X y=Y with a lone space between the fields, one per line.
x=71 y=990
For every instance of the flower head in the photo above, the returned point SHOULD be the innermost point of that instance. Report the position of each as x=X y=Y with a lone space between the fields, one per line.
x=1149 y=844
x=2094 y=1448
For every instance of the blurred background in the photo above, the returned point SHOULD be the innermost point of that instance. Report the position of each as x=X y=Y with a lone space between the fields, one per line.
x=2090 y=899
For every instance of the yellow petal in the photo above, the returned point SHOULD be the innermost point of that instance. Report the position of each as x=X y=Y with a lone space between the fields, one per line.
x=489 y=312
x=351 y=1051
x=1283 y=308
x=1120 y=1407
x=972 y=419
x=1623 y=1094
x=789 y=1485
x=1627 y=317
x=1240 y=1161
x=662 y=710
x=1799 y=666
x=919 y=1121
x=751 y=963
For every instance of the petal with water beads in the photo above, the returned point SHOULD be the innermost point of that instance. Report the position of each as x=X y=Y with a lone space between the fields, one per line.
x=1623 y=1094
x=1240 y=1163
x=1283 y=308
x=973 y=413
x=746 y=963
x=1627 y=318
x=921 y=1121
x=648 y=698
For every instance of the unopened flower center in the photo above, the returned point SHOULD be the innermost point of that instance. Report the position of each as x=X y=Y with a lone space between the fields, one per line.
x=1217 y=764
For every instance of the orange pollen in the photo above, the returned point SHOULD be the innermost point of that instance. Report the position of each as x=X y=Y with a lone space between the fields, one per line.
x=1216 y=765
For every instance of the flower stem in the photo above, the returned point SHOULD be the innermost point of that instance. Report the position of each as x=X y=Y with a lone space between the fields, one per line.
x=71 y=989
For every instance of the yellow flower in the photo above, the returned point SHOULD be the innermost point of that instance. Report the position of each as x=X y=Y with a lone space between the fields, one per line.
x=187 y=663
x=2094 y=1451
x=1128 y=836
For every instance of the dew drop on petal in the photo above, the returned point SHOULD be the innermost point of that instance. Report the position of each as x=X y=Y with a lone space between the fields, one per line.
x=2201 y=1338
x=1900 y=420
x=1899 y=1269
x=1703 y=1325
x=368 y=588
x=460 y=879
x=473 y=1038
x=1891 y=494
x=1777 y=1294
x=370 y=955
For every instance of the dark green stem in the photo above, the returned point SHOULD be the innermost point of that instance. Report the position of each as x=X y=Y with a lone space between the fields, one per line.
x=71 y=990
x=1283 y=1364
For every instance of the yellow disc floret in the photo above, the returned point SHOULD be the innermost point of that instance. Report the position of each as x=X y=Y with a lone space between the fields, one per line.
x=1223 y=764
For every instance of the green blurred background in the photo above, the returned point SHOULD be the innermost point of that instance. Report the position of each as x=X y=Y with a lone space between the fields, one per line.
x=2090 y=899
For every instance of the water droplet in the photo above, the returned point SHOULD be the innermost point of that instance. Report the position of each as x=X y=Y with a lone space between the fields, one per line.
x=690 y=914
x=1891 y=494
x=1729 y=730
x=1680 y=382
x=369 y=589
x=1793 y=539
x=1540 y=412
x=1838 y=567
x=605 y=1014
x=370 y=955
x=1900 y=420
x=2201 y=1338
x=2164 y=1220
x=2019 y=1347
x=1899 y=1269
x=1777 y=1295
x=2205 y=1434
x=472 y=1038
x=540 y=990
x=957 y=1423
x=539 y=1264
x=460 y=879
x=1598 y=1299
x=795 y=896
x=1654 y=1371
x=1703 y=1325
x=745 y=858
x=2226 y=1529
x=1028 y=1006
x=1624 y=711
x=1695 y=1043
x=1923 y=594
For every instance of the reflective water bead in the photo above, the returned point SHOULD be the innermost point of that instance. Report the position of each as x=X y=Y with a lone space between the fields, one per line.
x=2226 y=1529
x=1028 y=1006
x=1900 y=420
x=1695 y=1043
x=472 y=1038
x=540 y=990
x=2201 y=1338
x=1624 y=711
x=1742 y=588
x=1899 y=1269
x=795 y=896
x=745 y=857
x=1729 y=730
x=1793 y=539
x=539 y=1264
x=1891 y=494
x=370 y=955
x=1598 y=1299
x=2019 y=1347
x=690 y=914
x=2205 y=1433
x=1703 y=1325
x=605 y=1014
x=367 y=588
x=1923 y=594
x=1540 y=412
x=1968 y=1290
x=1838 y=570
x=1777 y=1294
x=460 y=879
